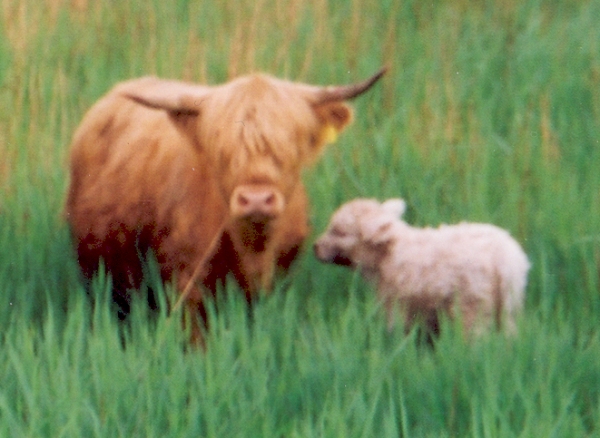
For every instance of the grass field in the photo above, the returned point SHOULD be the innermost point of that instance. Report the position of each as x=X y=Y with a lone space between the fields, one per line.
x=490 y=112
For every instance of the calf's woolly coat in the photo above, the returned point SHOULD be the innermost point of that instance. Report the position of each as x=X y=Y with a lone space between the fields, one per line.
x=478 y=270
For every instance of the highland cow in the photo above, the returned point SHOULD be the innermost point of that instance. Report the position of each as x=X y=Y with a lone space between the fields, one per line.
x=208 y=178
x=476 y=270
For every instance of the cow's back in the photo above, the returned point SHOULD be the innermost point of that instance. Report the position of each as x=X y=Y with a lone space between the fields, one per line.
x=137 y=183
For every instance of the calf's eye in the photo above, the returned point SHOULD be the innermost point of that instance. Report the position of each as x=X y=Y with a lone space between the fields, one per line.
x=336 y=232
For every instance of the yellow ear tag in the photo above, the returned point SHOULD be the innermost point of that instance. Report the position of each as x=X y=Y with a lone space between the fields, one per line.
x=329 y=134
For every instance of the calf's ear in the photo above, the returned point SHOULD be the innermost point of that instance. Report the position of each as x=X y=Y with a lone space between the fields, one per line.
x=376 y=230
x=396 y=207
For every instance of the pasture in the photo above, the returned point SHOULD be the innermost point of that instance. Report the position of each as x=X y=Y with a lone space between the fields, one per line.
x=490 y=112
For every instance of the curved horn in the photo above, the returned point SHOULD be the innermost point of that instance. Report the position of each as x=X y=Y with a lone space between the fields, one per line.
x=345 y=92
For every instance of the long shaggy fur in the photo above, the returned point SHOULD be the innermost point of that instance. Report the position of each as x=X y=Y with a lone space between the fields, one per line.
x=169 y=166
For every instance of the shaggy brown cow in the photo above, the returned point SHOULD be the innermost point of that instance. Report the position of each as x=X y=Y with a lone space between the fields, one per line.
x=207 y=177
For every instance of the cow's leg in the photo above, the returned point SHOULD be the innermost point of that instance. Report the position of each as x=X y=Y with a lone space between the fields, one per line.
x=293 y=231
x=121 y=260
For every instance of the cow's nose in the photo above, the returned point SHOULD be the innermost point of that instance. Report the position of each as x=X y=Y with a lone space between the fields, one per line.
x=249 y=201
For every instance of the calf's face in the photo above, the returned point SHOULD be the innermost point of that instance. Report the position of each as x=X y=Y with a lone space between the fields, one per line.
x=338 y=243
x=359 y=233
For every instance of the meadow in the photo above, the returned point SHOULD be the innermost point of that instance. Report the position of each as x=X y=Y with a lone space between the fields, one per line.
x=490 y=112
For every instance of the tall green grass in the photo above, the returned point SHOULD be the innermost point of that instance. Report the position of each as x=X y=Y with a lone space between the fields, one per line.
x=490 y=112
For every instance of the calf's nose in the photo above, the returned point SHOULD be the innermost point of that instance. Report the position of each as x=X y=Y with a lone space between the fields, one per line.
x=317 y=250
x=259 y=202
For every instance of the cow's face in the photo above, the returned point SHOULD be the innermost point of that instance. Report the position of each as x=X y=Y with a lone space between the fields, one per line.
x=261 y=133
x=258 y=132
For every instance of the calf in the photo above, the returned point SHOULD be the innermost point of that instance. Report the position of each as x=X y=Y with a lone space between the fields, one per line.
x=478 y=270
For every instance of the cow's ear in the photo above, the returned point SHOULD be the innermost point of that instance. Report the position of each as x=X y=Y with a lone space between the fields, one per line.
x=181 y=105
x=333 y=118
x=177 y=98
